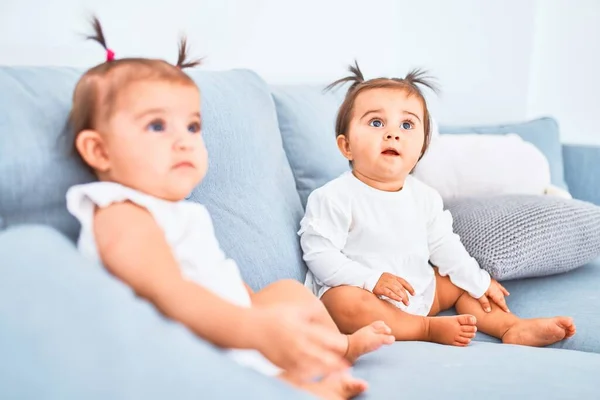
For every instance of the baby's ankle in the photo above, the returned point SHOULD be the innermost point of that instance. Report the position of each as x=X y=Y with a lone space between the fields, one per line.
x=426 y=329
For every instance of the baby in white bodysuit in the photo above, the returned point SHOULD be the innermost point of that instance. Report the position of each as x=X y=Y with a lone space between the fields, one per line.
x=136 y=123
x=378 y=242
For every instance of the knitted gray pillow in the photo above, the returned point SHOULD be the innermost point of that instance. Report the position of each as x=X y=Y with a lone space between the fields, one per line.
x=518 y=236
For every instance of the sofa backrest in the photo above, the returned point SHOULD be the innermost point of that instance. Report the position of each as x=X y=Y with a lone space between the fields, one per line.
x=307 y=123
x=249 y=189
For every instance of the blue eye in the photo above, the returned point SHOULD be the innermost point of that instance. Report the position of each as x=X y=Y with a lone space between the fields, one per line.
x=194 y=127
x=156 y=126
x=376 y=123
x=407 y=125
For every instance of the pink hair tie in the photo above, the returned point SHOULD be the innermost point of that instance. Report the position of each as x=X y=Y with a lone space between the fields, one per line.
x=110 y=55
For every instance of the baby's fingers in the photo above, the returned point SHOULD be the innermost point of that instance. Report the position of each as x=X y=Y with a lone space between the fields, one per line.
x=407 y=286
x=317 y=362
x=504 y=290
x=400 y=291
x=328 y=340
x=499 y=299
x=393 y=294
x=485 y=303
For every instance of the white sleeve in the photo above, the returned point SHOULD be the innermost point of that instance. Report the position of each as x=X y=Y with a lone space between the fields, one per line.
x=323 y=234
x=447 y=252
x=83 y=199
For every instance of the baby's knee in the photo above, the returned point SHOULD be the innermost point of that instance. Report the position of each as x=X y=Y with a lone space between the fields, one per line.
x=349 y=302
x=295 y=290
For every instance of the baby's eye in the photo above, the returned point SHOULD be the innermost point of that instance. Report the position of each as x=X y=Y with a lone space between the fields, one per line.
x=194 y=127
x=376 y=123
x=407 y=125
x=156 y=126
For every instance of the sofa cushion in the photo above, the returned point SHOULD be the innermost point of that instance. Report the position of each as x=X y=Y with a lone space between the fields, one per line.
x=249 y=189
x=573 y=294
x=581 y=165
x=521 y=236
x=419 y=370
x=306 y=118
x=543 y=133
x=471 y=164
x=69 y=330
x=36 y=165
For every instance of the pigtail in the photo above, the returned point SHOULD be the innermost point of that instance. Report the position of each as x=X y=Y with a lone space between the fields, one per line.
x=98 y=37
x=356 y=77
x=182 y=61
x=419 y=77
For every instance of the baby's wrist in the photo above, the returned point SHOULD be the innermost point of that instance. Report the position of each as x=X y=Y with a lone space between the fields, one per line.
x=371 y=282
x=251 y=322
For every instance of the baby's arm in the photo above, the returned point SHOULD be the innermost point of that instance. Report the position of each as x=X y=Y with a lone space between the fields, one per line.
x=324 y=231
x=447 y=252
x=133 y=248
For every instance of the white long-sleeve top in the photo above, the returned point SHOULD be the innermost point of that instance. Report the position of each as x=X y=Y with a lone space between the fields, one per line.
x=352 y=233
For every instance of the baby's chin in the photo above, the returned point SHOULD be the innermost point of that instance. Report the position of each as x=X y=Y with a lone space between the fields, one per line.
x=175 y=191
x=390 y=174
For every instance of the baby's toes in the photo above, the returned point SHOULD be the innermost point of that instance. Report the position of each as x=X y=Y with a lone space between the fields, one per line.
x=352 y=387
x=461 y=341
x=468 y=335
x=380 y=327
x=466 y=320
x=468 y=329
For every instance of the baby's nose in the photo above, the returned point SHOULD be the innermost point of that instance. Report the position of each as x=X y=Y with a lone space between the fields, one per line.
x=389 y=136
x=184 y=143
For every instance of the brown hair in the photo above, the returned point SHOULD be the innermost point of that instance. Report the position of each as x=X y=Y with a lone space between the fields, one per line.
x=97 y=89
x=409 y=84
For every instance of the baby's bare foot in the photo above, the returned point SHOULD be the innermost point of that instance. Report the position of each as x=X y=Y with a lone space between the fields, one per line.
x=336 y=387
x=540 y=332
x=457 y=330
x=367 y=339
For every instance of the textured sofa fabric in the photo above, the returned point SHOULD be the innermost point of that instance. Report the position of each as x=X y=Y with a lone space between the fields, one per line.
x=249 y=189
x=36 y=166
x=417 y=370
x=542 y=132
x=68 y=330
x=306 y=117
x=574 y=294
x=582 y=167
x=516 y=236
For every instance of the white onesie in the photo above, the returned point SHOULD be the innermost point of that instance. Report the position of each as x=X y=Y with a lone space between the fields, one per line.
x=189 y=231
x=352 y=233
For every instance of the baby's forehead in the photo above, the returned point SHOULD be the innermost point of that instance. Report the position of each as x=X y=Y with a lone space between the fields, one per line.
x=388 y=98
x=159 y=94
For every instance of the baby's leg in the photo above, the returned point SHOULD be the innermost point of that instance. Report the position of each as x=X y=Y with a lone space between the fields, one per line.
x=507 y=326
x=366 y=339
x=352 y=308
x=333 y=387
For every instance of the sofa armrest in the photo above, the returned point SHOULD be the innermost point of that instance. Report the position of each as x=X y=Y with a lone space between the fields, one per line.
x=582 y=171
x=69 y=330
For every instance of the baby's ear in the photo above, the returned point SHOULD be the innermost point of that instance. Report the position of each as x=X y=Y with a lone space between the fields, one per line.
x=90 y=146
x=344 y=146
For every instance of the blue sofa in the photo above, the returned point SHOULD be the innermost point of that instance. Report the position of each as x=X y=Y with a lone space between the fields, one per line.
x=69 y=330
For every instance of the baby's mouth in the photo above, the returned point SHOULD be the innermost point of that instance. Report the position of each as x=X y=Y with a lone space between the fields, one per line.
x=183 y=164
x=390 y=152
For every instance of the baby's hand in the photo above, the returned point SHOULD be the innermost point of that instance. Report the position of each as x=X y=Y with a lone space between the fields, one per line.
x=496 y=292
x=394 y=287
x=288 y=336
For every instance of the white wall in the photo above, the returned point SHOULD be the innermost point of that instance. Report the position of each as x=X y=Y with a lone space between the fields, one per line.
x=565 y=68
x=481 y=51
